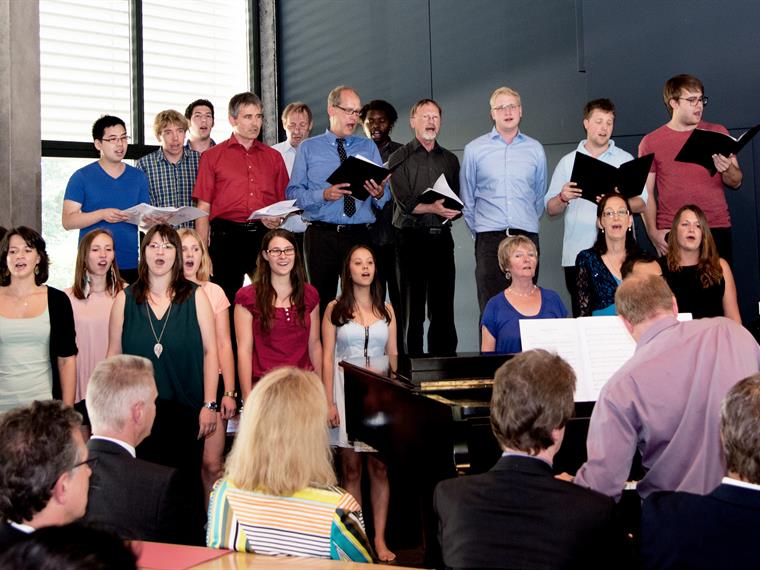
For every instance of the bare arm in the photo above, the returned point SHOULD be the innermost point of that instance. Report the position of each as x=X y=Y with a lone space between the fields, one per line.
x=201 y=224
x=637 y=204
x=67 y=372
x=557 y=204
x=226 y=361
x=488 y=342
x=329 y=332
x=115 y=324
x=730 y=173
x=73 y=218
x=244 y=336
x=650 y=218
x=207 y=418
x=315 y=344
x=730 y=304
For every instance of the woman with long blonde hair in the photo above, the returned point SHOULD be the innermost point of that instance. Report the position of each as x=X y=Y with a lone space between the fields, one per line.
x=278 y=494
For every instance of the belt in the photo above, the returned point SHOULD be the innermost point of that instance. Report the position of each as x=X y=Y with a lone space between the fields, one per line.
x=430 y=230
x=338 y=227
x=250 y=226
x=511 y=232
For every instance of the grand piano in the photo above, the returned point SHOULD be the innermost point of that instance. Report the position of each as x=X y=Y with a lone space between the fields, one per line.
x=429 y=419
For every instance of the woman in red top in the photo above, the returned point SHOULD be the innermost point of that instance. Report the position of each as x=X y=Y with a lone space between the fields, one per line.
x=277 y=317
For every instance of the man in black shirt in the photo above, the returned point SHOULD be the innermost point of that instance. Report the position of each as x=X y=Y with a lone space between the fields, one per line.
x=426 y=247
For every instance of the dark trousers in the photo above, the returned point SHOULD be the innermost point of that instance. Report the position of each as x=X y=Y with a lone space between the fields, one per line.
x=326 y=246
x=428 y=277
x=387 y=269
x=571 y=282
x=724 y=243
x=234 y=249
x=489 y=277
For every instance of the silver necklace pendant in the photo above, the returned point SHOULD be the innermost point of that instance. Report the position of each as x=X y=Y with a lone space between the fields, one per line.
x=158 y=349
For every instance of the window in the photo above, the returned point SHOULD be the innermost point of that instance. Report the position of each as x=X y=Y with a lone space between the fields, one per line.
x=132 y=59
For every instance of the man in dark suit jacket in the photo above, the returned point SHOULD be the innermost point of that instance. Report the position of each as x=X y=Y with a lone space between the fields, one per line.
x=135 y=499
x=44 y=469
x=517 y=515
x=718 y=530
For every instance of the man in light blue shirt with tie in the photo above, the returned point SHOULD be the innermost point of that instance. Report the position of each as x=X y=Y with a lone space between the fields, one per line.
x=337 y=221
x=502 y=185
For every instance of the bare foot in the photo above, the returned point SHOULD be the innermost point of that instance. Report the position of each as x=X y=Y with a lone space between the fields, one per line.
x=383 y=554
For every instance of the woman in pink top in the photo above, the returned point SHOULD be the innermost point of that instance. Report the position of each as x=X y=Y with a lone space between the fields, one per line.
x=196 y=264
x=277 y=317
x=96 y=283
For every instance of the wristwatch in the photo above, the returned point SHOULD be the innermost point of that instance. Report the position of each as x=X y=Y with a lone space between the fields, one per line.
x=211 y=406
x=232 y=394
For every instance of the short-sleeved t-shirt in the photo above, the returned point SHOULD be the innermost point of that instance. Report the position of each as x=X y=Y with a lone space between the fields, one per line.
x=287 y=343
x=95 y=189
x=502 y=320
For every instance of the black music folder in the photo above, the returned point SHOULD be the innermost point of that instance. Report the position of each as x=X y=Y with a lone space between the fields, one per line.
x=356 y=170
x=441 y=189
x=596 y=178
x=702 y=144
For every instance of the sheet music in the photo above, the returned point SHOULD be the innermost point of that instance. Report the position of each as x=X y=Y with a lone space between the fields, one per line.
x=276 y=210
x=174 y=216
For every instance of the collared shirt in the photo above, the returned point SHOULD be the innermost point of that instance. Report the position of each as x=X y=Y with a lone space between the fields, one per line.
x=212 y=143
x=666 y=402
x=288 y=152
x=171 y=184
x=503 y=185
x=316 y=160
x=25 y=528
x=580 y=214
x=417 y=171
x=739 y=483
x=118 y=442
x=237 y=181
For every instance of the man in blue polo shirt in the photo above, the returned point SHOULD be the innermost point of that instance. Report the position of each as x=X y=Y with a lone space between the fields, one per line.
x=502 y=185
x=97 y=194
x=337 y=221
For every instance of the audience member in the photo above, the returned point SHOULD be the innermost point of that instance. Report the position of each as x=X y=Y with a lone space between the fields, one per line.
x=97 y=194
x=563 y=195
x=685 y=530
x=500 y=327
x=599 y=268
x=278 y=495
x=196 y=264
x=200 y=118
x=640 y=263
x=168 y=320
x=665 y=400
x=277 y=316
x=427 y=273
x=701 y=281
x=172 y=169
x=44 y=472
x=38 y=339
x=358 y=324
x=678 y=183
x=378 y=118
x=517 y=515
x=96 y=284
x=502 y=184
x=338 y=220
x=73 y=546
x=297 y=122
x=236 y=178
x=136 y=499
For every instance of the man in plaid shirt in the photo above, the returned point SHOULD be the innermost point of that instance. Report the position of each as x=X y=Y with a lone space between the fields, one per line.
x=171 y=170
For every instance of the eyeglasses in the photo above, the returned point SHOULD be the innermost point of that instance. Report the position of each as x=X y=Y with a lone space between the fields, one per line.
x=610 y=213
x=114 y=140
x=433 y=118
x=155 y=246
x=510 y=107
x=277 y=252
x=91 y=462
x=349 y=112
x=694 y=100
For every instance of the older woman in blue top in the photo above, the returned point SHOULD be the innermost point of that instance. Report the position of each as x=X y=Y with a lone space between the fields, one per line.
x=600 y=267
x=522 y=299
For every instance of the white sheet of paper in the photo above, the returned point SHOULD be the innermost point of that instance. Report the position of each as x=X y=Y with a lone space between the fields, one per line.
x=173 y=216
x=277 y=210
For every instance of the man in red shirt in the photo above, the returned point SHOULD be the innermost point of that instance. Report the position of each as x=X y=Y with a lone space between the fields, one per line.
x=235 y=178
x=681 y=183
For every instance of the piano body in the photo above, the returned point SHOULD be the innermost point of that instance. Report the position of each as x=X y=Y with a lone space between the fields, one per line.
x=429 y=419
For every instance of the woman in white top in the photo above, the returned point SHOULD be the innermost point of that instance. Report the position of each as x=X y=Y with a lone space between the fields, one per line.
x=358 y=324
x=196 y=264
x=37 y=336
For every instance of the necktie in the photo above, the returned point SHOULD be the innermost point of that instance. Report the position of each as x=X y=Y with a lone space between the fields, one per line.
x=349 y=204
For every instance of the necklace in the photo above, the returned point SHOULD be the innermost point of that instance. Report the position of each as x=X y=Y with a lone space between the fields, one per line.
x=528 y=294
x=158 y=348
